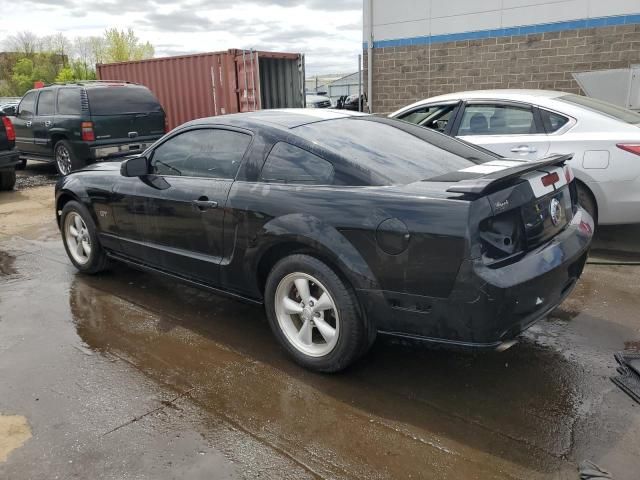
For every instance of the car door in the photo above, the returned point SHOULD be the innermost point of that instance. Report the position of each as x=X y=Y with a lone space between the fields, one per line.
x=23 y=122
x=508 y=128
x=175 y=215
x=43 y=122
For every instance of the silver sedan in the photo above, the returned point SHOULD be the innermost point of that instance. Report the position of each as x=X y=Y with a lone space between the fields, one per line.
x=531 y=124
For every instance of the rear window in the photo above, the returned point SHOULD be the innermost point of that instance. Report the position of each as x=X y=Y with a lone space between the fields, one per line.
x=117 y=100
x=394 y=152
x=605 y=108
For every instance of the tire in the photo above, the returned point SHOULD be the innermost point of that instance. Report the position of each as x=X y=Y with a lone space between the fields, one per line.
x=321 y=351
x=586 y=201
x=65 y=159
x=22 y=165
x=7 y=179
x=96 y=259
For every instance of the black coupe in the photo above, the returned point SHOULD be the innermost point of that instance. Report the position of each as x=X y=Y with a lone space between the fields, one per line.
x=344 y=225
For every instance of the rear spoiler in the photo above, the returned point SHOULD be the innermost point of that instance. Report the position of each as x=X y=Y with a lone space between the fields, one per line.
x=484 y=183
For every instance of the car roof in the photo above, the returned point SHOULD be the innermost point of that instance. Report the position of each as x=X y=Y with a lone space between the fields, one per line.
x=283 y=118
x=504 y=94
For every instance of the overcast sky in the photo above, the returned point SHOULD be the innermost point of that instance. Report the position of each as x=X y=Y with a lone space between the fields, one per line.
x=329 y=32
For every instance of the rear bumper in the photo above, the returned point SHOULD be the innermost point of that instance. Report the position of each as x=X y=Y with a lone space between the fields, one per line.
x=489 y=306
x=9 y=159
x=107 y=151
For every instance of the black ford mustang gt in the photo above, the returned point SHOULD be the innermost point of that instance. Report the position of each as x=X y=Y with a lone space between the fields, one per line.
x=343 y=225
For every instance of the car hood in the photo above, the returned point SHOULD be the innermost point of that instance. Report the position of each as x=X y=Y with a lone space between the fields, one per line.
x=104 y=166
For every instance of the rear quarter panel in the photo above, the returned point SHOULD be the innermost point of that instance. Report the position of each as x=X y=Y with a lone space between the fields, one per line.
x=340 y=223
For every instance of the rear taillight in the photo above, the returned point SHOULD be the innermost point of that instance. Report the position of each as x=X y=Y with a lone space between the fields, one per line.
x=8 y=126
x=166 y=125
x=630 y=147
x=568 y=174
x=87 y=132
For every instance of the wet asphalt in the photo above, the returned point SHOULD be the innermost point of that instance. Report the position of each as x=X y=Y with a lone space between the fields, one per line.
x=130 y=375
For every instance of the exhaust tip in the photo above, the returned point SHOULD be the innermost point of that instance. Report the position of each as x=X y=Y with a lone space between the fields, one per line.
x=506 y=345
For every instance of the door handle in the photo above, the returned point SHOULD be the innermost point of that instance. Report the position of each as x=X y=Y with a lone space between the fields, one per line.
x=47 y=123
x=28 y=123
x=524 y=149
x=203 y=203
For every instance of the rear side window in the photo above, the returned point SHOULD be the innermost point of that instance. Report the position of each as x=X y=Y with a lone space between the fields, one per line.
x=211 y=153
x=552 y=121
x=287 y=163
x=46 y=103
x=121 y=99
x=386 y=151
x=69 y=101
x=496 y=120
x=27 y=105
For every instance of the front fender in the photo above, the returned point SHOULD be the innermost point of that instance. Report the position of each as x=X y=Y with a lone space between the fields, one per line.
x=318 y=236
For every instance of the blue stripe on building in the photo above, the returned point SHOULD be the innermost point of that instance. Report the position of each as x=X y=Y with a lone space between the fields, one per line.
x=510 y=31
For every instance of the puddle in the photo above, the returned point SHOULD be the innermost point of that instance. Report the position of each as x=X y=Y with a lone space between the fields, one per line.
x=14 y=432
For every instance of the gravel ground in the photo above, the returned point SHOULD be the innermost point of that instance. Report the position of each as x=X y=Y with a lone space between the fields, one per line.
x=36 y=174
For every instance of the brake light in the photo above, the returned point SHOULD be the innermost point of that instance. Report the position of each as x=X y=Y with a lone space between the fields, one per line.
x=550 y=179
x=568 y=173
x=87 y=132
x=8 y=126
x=632 y=148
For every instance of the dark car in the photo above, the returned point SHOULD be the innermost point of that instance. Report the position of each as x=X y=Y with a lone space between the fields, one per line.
x=343 y=225
x=8 y=155
x=78 y=123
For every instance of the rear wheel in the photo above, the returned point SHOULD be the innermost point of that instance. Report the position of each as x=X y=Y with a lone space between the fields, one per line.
x=66 y=161
x=314 y=314
x=7 y=179
x=80 y=238
x=588 y=202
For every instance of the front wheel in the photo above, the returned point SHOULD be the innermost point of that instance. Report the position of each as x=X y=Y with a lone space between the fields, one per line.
x=80 y=238
x=314 y=314
x=65 y=159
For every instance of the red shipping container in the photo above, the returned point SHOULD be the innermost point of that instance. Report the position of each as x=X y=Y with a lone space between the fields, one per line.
x=217 y=83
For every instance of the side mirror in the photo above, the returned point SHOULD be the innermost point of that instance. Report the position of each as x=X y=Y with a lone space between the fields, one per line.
x=135 y=167
x=11 y=111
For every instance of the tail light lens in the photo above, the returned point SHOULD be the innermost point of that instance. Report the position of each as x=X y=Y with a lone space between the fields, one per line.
x=632 y=148
x=8 y=126
x=87 y=132
x=166 y=125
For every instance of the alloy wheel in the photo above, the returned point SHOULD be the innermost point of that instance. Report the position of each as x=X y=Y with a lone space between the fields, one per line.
x=63 y=160
x=307 y=314
x=77 y=238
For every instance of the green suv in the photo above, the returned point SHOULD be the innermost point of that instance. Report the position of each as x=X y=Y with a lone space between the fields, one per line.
x=75 y=124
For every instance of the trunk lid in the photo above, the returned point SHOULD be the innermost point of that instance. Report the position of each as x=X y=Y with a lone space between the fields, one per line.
x=531 y=202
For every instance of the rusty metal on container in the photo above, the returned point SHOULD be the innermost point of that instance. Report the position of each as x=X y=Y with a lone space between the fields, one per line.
x=217 y=83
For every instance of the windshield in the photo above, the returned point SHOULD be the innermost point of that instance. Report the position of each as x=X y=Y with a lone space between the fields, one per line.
x=118 y=100
x=605 y=108
x=393 y=152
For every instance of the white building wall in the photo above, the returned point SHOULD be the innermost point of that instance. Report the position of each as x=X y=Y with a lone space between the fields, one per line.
x=402 y=19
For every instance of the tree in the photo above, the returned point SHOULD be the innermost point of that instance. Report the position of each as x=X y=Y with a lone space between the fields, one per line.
x=26 y=43
x=122 y=46
x=66 y=75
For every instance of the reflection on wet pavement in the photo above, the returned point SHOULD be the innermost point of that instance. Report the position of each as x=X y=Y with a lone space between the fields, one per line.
x=404 y=411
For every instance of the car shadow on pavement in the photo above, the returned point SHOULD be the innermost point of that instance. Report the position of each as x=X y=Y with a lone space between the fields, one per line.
x=519 y=405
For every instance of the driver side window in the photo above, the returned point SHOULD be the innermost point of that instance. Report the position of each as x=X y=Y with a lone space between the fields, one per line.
x=212 y=153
